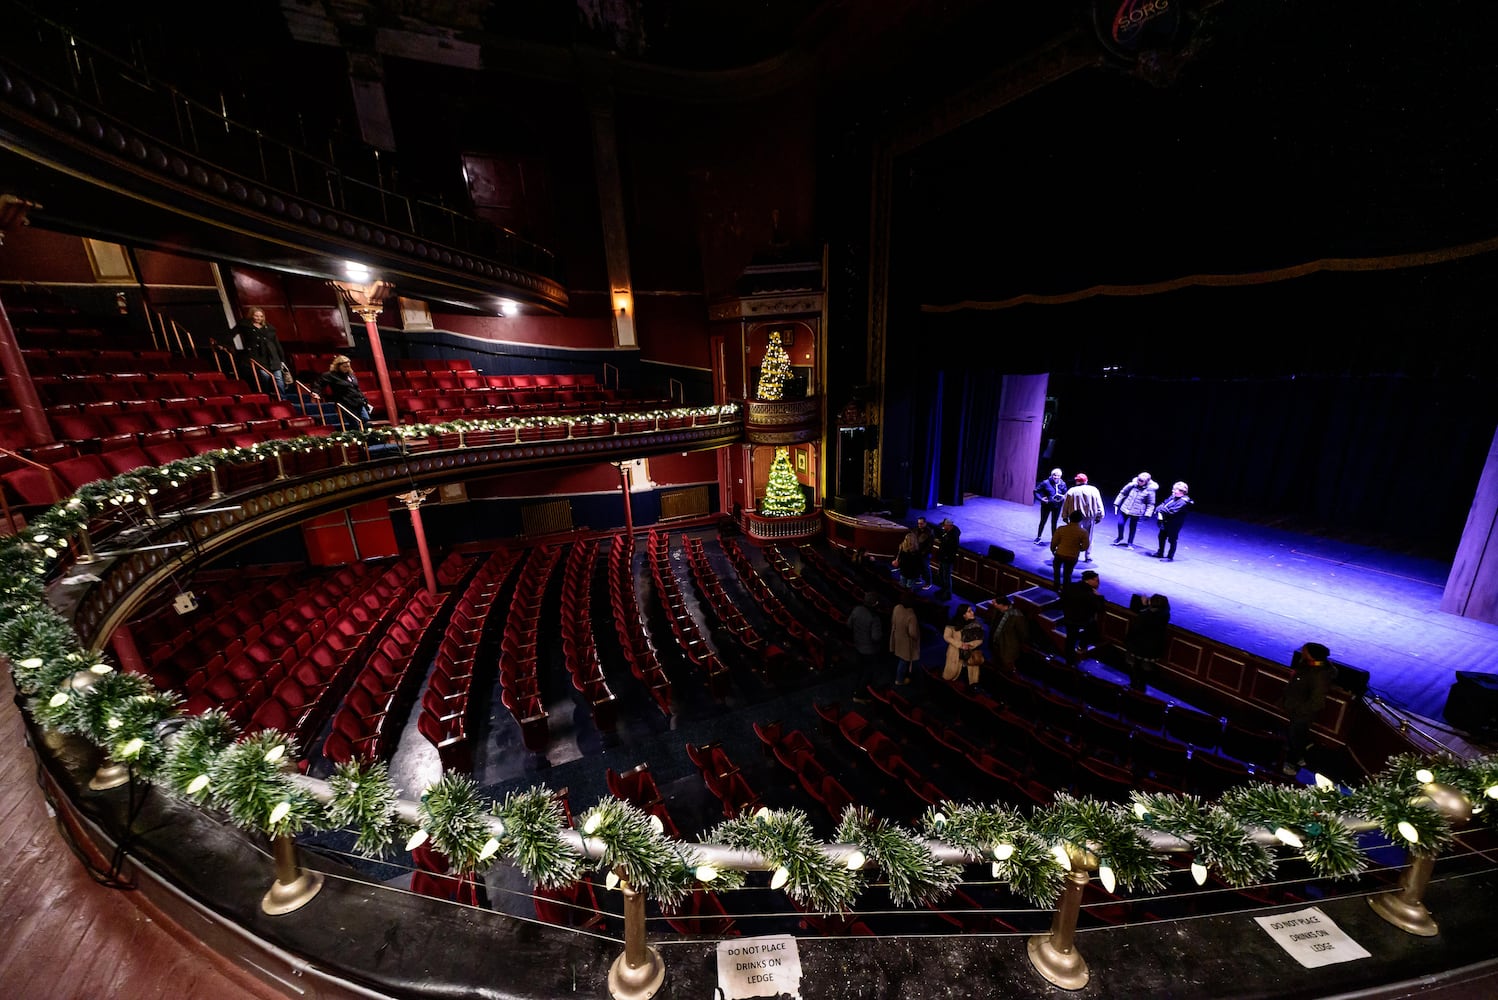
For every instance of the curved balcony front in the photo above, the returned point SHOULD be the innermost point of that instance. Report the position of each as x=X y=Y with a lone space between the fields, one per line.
x=782 y=421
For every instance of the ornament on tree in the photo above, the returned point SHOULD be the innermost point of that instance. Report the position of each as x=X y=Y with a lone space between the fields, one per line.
x=783 y=495
x=774 y=370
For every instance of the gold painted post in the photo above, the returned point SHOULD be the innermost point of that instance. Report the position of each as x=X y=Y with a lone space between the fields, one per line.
x=294 y=887
x=1055 y=955
x=639 y=972
x=1404 y=907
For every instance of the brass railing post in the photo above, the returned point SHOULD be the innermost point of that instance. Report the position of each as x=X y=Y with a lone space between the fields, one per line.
x=1404 y=907
x=639 y=972
x=1055 y=955
x=294 y=887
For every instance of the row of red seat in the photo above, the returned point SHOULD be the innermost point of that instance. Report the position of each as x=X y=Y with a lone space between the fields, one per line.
x=519 y=680
x=446 y=717
x=579 y=651
x=800 y=587
x=369 y=720
x=634 y=641
x=711 y=588
x=689 y=638
x=805 y=641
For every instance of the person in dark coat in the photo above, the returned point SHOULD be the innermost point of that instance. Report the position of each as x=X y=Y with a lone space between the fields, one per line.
x=1081 y=613
x=1009 y=632
x=1310 y=682
x=1172 y=515
x=1050 y=493
x=253 y=339
x=948 y=544
x=340 y=385
x=1135 y=500
x=1145 y=643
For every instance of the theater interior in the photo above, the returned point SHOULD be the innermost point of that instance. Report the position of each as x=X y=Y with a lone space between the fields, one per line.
x=541 y=679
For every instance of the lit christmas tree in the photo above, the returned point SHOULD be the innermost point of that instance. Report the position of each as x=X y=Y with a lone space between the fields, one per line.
x=774 y=369
x=783 y=496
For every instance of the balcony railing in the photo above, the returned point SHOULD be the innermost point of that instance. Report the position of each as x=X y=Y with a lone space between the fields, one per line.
x=352 y=179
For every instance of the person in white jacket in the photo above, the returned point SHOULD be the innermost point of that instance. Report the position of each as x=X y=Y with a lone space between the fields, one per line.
x=1087 y=501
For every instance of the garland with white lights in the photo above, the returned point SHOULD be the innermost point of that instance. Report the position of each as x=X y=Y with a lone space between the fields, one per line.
x=205 y=760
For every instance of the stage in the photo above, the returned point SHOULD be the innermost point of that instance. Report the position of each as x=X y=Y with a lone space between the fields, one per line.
x=1267 y=591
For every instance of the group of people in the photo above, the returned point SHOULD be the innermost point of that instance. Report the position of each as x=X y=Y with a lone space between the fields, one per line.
x=1081 y=508
x=257 y=348
x=912 y=563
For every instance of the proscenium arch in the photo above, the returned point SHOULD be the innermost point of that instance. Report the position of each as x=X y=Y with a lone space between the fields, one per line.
x=125 y=583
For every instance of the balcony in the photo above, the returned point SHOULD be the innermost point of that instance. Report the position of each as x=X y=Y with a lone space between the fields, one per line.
x=782 y=421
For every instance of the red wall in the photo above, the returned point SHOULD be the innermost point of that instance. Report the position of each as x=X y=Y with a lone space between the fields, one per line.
x=41 y=256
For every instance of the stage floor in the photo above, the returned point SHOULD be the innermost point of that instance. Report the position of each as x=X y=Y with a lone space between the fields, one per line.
x=1268 y=591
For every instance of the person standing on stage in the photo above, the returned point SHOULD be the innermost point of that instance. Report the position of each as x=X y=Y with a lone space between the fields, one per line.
x=1172 y=515
x=1135 y=500
x=1050 y=493
x=1089 y=502
x=1309 y=685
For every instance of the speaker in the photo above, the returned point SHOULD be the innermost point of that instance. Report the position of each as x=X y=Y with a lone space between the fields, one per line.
x=1472 y=703
x=1000 y=553
x=1351 y=679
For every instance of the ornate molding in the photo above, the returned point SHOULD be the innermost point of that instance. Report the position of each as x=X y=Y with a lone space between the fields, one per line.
x=760 y=306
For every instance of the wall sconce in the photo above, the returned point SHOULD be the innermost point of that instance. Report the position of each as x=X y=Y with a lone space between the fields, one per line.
x=621 y=303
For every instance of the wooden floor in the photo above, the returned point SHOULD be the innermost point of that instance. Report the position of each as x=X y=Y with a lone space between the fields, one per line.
x=65 y=935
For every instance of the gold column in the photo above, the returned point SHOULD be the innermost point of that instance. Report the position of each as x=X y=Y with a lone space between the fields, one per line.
x=413 y=500
x=366 y=301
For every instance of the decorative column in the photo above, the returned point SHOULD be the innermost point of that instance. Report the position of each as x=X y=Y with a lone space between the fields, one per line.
x=122 y=641
x=629 y=516
x=366 y=301
x=413 y=500
x=33 y=417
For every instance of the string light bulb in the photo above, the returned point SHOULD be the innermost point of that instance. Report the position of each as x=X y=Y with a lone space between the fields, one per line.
x=1199 y=872
x=1287 y=837
x=595 y=820
x=855 y=861
x=1424 y=776
x=657 y=825
x=275 y=753
x=279 y=812
x=132 y=748
x=611 y=880
x=1003 y=852
x=197 y=784
x=416 y=840
x=706 y=873
x=491 y=846
x=58 y=700
x=1063 y=858
x=1408 y=832
x=1105 y=875
x=1140 y=811
x=1323 y=782
x=780 y=878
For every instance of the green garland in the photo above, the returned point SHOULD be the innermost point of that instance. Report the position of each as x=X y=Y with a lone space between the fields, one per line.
x=1300 y=817
x=532 y=840
x=1107 y=831
x=452 y=814
x=915 y=876
x=364 y=801
x=186 y=771
x=1018 y=854
x=785 y=839
x=250 y=781
x=1218 y=840
x=638 y=852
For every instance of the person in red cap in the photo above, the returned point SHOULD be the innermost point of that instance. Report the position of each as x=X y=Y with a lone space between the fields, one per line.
x=1087 y=501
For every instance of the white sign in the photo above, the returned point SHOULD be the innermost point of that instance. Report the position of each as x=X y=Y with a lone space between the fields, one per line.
x=759 y=967
x=1311 y=938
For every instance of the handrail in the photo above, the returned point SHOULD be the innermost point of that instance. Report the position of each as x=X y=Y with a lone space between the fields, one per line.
x=606 y=367
x=305 y=393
